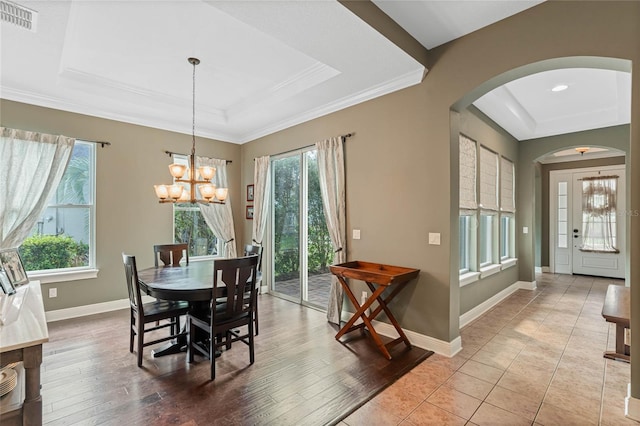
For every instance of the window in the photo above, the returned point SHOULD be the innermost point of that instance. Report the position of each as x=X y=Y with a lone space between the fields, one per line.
x=487 y=239
x=599 y=214
x=468 y=204
x=507 y=209
x=63 y=239
x=563 y=208
x=189 y=226
x=488 y=206
x=465 y=244
x=506 y=237
x=486 y=229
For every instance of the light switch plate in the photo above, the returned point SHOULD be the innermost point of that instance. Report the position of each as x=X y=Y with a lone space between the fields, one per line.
x=525 y=229
x=434 y=238
x=356 y=234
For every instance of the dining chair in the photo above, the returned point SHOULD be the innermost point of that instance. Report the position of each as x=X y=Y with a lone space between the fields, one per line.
x=236 y=278
x=249 y=250
x=170 y=254
x=144 y=313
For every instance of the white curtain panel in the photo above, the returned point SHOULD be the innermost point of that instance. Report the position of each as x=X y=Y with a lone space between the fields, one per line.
x=261 y=191
x=219 y=217
x=599 y=205
x=332 y=188
x=31 y=167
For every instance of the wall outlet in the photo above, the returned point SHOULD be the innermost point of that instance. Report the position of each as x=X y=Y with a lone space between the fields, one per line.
x=53 y=292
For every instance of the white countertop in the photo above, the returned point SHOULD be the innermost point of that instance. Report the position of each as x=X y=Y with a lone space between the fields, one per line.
x=24 y=320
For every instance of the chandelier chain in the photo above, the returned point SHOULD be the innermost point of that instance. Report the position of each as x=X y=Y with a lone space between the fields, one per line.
x=193 y=115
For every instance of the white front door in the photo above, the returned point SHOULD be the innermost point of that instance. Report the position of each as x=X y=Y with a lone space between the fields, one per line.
x=571 y=252
x=598 y=239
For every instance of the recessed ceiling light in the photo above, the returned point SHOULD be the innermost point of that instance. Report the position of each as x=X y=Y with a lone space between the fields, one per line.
x=559 y=88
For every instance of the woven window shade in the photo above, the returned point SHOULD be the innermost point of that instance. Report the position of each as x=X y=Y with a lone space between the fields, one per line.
x=488 y=179
x=468 y=156
x=507 y=185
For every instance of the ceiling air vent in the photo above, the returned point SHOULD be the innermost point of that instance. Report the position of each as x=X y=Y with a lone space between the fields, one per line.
x=18 y=15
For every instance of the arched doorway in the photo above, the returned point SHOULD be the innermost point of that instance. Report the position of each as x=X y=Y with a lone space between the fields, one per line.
x=529 y=202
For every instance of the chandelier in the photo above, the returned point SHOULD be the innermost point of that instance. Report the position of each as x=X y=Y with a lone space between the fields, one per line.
x=184 y=188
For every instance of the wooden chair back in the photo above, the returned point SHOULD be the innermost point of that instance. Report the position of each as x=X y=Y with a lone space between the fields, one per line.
x=170 y=254
x=238 y=276
x=131 y=273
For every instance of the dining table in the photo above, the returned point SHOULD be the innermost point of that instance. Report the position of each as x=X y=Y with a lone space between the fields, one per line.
x=192 y=282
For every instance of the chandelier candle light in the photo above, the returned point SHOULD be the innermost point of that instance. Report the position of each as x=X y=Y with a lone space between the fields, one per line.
x=178 y=193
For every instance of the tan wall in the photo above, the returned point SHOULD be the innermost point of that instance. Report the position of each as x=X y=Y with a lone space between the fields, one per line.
x=128 y=216
x=400 y=166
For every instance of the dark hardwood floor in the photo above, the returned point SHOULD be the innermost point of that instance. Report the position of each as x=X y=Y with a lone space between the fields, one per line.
x=302 y=375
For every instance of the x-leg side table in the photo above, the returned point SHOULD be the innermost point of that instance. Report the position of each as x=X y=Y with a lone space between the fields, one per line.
x=378 y=278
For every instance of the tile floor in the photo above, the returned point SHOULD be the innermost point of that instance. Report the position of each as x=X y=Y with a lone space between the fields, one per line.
x=536 y=358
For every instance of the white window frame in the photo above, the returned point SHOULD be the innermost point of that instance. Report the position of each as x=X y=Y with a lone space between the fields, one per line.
x=83 y=272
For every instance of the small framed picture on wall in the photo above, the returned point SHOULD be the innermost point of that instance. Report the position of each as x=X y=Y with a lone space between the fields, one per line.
x=250 y=212
x=250 y=192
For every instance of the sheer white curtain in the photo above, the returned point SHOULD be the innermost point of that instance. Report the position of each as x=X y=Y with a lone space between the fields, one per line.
x=31 y=166
x=261 y=191
x=599 y=203
x=332 y=188
x=219 y=216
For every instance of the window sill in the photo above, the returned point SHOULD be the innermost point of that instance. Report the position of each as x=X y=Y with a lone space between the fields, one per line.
x=489 y=270
x=468 y=278
x=508 y=263
x=56 y=277
x=201 y=259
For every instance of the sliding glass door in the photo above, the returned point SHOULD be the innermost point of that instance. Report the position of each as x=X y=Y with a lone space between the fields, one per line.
x=302 y=250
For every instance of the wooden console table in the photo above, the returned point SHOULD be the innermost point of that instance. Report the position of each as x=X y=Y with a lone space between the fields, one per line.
x=378 y=278
x=21 y=339
x=617 y=309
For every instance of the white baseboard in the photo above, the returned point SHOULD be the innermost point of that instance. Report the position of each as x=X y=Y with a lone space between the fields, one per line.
x=527 y=285
x=546 y=269
x=429 y=343
x=96 y=308
x=485 y=306
x=631 y=406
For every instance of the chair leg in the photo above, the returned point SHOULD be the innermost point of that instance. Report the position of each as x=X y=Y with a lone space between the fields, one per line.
x=212 y=354
x=140 y=341
x=175 y=328
x=252 y=356
x=131 y=332
x=191 y=331
x=255 y=313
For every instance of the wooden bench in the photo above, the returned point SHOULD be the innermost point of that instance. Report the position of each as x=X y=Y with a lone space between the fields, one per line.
x=617 y=309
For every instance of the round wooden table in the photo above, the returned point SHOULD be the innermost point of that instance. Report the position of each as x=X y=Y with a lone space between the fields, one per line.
x=192 y=282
